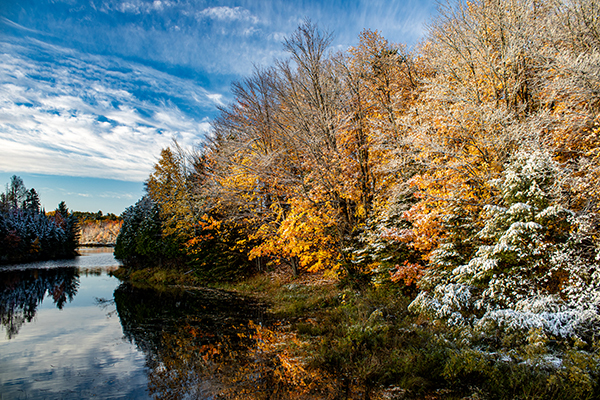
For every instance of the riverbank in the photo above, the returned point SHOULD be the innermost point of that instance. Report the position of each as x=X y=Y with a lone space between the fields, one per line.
x=331 y=341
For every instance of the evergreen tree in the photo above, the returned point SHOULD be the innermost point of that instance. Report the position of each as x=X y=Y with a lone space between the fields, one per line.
x=32 y=201
x=528 y=269
x=141 y=240
x=15 y=192
x=69 y=224
x=27 y=233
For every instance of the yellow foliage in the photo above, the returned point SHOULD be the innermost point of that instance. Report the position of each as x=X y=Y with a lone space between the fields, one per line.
x=306 y=232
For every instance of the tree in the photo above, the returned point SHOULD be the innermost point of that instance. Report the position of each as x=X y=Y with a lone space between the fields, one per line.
x=140 y=241
x=169 y=187
x=14 y=195
x=529 y=269
x=27 y=233
x=275 y=149
x=32 y=201
x=68 y=223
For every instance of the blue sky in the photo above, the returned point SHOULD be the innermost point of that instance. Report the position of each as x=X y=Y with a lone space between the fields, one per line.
x=91 y=90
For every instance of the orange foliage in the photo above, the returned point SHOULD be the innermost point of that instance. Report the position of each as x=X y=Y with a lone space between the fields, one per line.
x=408 y=273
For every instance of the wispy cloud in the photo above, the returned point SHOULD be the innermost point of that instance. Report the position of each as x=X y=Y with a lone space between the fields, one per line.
x=20 y=27
x=136 y=7
x=92 y=116
x=228 y=14
x=118 y=195
x=98 y=87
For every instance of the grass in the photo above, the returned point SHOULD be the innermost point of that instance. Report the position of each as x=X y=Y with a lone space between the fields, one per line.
x=370 y=346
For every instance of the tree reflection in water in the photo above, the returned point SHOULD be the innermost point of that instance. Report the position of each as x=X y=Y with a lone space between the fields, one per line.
x=212 y=344
x=22 y=291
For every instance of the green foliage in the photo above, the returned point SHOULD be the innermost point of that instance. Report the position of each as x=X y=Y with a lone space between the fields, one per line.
x=371 y=342
x=523 y=376
x=367 y=343
x=215 y=254
x=141 y=241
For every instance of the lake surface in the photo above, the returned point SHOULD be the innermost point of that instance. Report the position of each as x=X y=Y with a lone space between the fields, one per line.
x=70 y=330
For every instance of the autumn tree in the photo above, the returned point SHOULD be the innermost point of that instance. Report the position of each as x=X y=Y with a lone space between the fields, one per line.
x=302 y=155
x=276 y=154
x=506 y=235
x=169 y=189
x=481 y=100
x=383 y=82
x=379 y=158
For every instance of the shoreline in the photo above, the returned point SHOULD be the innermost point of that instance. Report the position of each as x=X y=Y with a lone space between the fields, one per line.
x=365 y=342
x=96 y=245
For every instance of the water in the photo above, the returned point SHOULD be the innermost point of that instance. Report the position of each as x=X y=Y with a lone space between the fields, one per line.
x=69 y=330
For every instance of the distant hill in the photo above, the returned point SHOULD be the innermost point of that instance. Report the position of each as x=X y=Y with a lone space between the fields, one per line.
x=97 y=229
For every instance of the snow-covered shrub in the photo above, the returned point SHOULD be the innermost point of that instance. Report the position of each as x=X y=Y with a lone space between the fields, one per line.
x=530 y=269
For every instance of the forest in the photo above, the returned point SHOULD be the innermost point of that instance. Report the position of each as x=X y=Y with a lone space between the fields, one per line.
x=451 y=191
x=28 y=233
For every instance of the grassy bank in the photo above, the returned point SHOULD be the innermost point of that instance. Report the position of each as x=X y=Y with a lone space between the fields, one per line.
x=331 y=341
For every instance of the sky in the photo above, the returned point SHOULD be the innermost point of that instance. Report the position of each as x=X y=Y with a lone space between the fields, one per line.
x=92 y=90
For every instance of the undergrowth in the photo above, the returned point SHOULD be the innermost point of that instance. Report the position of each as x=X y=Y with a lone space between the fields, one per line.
x=372 y=347
x=363 y=343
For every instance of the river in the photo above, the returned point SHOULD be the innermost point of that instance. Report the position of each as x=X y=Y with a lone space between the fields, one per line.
x=71 y=330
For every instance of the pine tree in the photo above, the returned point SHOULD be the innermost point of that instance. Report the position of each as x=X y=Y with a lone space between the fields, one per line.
x=529 y=268
x=32 y=201
x=15 y=193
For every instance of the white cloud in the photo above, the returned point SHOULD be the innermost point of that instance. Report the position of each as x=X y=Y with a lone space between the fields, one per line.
x=278 y=37
x=93 y=117
x=135 y=7
x=117 y=195
x=228 y=14
x=217 y=98
x=21 y=27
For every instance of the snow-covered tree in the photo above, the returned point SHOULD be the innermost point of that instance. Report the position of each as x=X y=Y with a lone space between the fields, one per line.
x=534 y=265
x=27 y=233
x=141 y=238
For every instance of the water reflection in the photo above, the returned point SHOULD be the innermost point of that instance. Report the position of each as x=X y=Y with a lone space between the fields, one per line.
x=67 y=347
x=187 y=335
x=22 y=291
x=64 y=340
x=211 y=344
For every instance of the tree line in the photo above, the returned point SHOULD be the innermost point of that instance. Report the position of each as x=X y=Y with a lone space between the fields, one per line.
x=466 y=170
x=28 y=233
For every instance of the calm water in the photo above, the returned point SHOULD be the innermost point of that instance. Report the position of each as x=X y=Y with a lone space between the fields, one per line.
x=69 y=330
